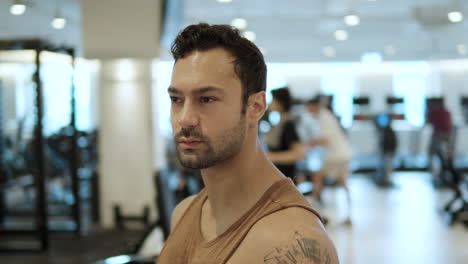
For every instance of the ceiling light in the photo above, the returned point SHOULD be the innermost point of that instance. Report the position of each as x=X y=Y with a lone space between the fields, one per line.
x=224 y=1
x=455 y=17
x=389 y=50
x=250 y=35
x=352 y=20
x=462 y=49
x=239 y=23
x=17 y=8
x=329 y=51
x=58 y=22
x=341 y=35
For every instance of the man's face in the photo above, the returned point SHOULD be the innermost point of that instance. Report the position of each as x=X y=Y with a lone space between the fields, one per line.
x=206 y=118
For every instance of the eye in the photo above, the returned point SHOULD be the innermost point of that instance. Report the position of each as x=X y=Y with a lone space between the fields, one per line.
x=207 y=100
x=175 y=100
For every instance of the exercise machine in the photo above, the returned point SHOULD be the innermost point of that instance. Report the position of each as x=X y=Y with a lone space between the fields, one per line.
x=26 y=226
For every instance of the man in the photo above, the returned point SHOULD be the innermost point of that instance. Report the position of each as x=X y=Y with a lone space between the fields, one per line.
x=441 y=146
x=387 y=145
x=248 y=212
x=337 y=151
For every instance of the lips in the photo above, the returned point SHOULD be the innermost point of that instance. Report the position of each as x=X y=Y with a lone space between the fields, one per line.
x=189 y=143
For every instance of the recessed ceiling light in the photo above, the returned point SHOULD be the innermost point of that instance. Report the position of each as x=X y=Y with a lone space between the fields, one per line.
x=250 y=35
x=224 y=1
x=341 y=35
x=352 y=20
x=455 y=17
x=58 y=23
x=329 y=51
x=17 y=8
x=239 y=23
x=462 y=49
x=389 y=50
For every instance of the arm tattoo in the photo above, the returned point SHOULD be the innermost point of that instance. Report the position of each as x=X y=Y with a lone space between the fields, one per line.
x=302 y=250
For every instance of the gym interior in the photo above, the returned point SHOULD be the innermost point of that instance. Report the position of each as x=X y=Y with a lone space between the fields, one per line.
x=89 y=170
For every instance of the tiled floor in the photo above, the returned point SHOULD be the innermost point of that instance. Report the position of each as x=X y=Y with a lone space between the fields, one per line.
x=400 y=225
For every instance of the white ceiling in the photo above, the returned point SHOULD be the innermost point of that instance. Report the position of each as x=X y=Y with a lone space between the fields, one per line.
x=35 y=22
x=297 y=30
x=289 y=30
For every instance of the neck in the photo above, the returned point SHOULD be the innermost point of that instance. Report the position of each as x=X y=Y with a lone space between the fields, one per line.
x=235 y=186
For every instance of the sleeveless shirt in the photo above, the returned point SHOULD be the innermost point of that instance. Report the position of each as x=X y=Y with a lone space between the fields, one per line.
x=186 y=244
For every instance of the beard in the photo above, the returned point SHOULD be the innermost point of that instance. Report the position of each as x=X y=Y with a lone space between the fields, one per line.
x=212 y=151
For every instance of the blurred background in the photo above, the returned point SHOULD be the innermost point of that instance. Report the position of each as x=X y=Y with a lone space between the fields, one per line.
x=88 y=167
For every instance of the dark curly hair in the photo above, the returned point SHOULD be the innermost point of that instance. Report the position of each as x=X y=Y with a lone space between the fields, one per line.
x=249 y=64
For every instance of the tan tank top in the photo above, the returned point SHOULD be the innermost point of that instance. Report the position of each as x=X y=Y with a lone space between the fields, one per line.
x=186 y=244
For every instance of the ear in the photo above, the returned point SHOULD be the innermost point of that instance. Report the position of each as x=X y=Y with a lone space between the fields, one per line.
x=256 y=107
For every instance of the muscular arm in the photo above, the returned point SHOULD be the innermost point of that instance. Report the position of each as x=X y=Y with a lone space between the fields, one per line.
x=303 y=247
x=291 y=236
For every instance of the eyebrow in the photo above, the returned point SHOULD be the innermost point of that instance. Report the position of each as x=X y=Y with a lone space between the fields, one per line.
x=197 y=91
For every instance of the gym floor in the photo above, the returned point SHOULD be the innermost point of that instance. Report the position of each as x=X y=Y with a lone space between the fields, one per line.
x=399 y=225
x=67 y=249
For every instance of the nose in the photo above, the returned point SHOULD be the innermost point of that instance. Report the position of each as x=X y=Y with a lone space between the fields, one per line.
x=188 y=116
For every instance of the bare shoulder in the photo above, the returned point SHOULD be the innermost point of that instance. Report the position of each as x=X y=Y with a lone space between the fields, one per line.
x=180 y=209
x=292 y=235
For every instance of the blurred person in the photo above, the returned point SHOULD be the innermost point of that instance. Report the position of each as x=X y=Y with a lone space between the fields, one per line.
x=249 y=212
x=387 y=145
x=440 y=119
x=307 y=128
x=284 y=146
x=327 y=101
x=337 y=152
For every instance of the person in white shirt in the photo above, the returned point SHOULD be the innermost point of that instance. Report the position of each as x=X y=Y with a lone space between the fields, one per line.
x=338 y=151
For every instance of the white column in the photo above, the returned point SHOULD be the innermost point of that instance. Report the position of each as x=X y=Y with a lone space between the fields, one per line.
x=158 y=95
x=124 y=36
x=125 y=137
